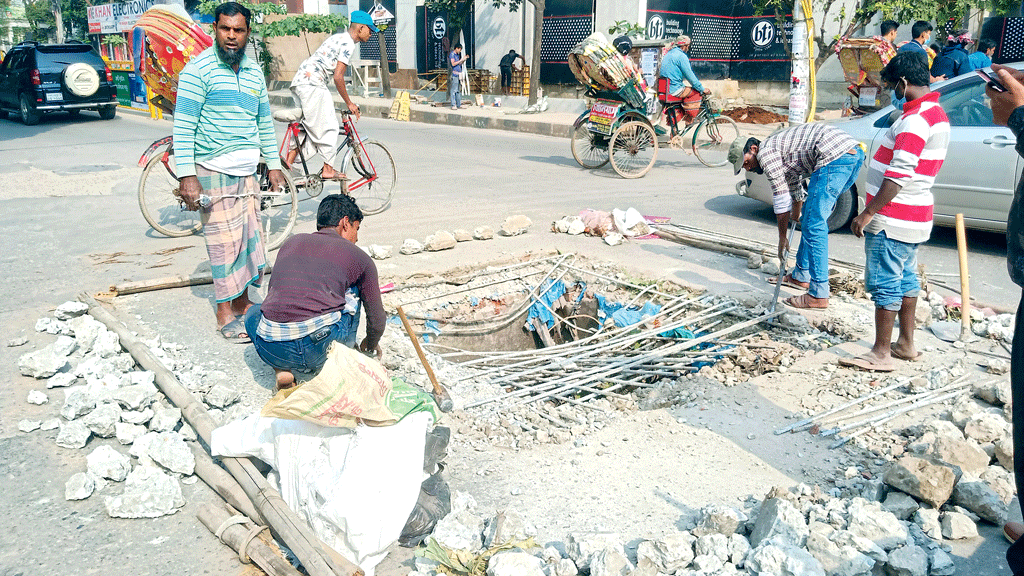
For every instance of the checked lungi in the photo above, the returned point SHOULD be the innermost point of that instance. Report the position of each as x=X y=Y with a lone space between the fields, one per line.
x=231 y=225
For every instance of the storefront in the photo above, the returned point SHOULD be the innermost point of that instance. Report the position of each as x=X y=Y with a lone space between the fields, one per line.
x=109 y=26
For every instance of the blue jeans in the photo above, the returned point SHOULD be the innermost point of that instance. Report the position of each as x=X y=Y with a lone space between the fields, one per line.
x=307 y=354
x=455 y=90
x=890 y=270
x=827 y=183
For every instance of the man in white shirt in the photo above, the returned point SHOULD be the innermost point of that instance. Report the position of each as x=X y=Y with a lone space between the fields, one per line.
x=310 y=90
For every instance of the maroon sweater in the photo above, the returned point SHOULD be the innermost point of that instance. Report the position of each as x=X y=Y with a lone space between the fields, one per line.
x=311 y=275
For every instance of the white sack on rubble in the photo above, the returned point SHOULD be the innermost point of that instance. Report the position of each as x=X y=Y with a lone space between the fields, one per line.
x=367 y=478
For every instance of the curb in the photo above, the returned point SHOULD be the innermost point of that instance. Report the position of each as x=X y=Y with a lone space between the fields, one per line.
x=509 y=124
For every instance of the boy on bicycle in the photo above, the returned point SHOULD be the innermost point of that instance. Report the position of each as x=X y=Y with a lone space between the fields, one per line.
x=310 y=90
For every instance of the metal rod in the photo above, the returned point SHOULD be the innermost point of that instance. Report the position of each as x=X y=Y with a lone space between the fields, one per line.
x=853 y=402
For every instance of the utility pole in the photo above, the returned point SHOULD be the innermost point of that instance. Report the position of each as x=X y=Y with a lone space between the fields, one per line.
x=58 y=20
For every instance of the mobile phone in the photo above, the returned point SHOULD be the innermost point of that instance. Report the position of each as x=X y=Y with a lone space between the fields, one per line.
x=992 y=79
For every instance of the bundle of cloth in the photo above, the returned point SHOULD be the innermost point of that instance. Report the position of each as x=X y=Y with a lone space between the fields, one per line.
x=162 y=41
x=596 y=63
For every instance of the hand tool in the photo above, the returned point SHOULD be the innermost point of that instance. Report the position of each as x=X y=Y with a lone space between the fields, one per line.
x=444 y=401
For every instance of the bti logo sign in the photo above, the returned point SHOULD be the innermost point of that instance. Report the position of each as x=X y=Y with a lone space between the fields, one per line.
x=656 y=28
x=762 y=34
x=439 y=28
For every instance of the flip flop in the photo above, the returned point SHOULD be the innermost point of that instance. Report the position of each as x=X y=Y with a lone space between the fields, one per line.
x=234 y=332
x=787 y=280
x=800 y=302
x=895 y=354
x=862 y=363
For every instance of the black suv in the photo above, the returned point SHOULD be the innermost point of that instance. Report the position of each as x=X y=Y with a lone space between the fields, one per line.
x=37 y=78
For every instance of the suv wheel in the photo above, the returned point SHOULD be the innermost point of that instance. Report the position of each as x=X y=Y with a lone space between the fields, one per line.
x=29 y=117
x=81 y=80
x=108 y=112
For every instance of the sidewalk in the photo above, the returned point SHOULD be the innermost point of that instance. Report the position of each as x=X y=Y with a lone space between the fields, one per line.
x=556 y=121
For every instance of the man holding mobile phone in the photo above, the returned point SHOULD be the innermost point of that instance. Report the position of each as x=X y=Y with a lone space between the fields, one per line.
x=1008 y=110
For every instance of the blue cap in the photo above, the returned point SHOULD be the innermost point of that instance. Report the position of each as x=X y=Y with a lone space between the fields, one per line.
x=360 y=17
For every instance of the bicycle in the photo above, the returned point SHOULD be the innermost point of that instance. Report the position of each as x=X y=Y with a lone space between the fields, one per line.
x=165 y=210
x=370 y=160
x=713 y=132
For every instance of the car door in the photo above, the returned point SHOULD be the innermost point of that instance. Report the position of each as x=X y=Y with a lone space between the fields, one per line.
x=8 y=80
x=981 y=165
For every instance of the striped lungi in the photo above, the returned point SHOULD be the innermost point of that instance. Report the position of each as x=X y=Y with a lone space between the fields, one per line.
x=232 y=229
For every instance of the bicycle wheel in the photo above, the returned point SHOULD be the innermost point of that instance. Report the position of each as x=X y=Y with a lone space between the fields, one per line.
x=712 y=138
x=277 y=209
x=633 y=149
x=372 y=176
x=158 y=202
x=590 y=150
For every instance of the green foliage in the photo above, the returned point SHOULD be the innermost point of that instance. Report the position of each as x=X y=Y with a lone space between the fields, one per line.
x=624 y=27
x=258 y=9
x=464 y=562
x=39 y=14
x=114 y=40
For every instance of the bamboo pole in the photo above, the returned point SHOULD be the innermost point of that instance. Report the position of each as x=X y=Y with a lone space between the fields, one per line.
x=285 y=523
x=965 y=280
x=242 y=538
x=180 y=281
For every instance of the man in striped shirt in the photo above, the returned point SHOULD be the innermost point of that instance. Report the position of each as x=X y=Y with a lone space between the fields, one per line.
x=831 y=159
x=898 y=215
x=222 y=125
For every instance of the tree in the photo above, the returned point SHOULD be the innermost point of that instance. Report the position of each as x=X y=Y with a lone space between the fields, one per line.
x=850 y=20
x=74 y=19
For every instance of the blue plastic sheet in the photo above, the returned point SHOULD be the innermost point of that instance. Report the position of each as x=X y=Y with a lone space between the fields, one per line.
x=623 y=316
x=551 y=290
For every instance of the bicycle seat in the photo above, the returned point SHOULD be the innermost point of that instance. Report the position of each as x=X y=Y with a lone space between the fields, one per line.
x=288 y=115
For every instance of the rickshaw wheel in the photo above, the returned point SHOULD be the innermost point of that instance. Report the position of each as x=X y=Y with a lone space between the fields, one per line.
x=589 y=149
x=633 y=149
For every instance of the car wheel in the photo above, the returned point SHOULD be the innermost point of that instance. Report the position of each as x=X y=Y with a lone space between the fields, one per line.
x=108 y=112
x=81 y=79
x=3 y=114
x=29 y=117
x=846 y=206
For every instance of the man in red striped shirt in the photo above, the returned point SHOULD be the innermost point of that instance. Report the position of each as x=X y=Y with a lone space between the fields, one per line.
x=898 y=215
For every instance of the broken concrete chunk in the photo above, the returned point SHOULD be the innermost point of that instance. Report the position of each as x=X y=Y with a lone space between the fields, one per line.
x=713 y=545
x=515 y=564
x=779 y=519
x=141 y=377
x=51 y=326
x=940 y=564
x=103 y=420
x=79 y=487
x=105 y=462
x=168 y=449
x=86 y=329
x=779 y=557
x=1000 y=481
x=838 y=560
x=963 y=453
x=995 y=392
x=739 y=546
x=42 y=363
x=137 y=416
x=957 y=526
x=460 y=530
x=900 y=504
x=222 y=396
x=907 y=561
x=379 y=252
x=718 y=520
x=440 y=240
x=507 y=526
x=610 y=562
x=979 y=498
x=868 y=520
x=1004 y=451
x=860 y=544
x=36 y=397
x=462 y=235
x=128 y=433
x=61 y=380
x=77 y=402
x=613 y=238
x=136 y=397
x=29 y=425
x=928 y=520
x=928 y=482
x=985 y=427
x=165 y=419
x=963 y=409
x=70 y=309
x=670 y=553
x=754 y=261
x=148 y=493
x=50 y=424
x=73 y=434
x=411 y=246
x=582 y=546
x=15 y=342
x=514 y=226
x=483 y=233
x=770 y=266
x=107 y=344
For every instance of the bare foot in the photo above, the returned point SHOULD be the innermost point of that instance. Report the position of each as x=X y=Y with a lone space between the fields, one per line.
x=285 y=379
x=869 y=361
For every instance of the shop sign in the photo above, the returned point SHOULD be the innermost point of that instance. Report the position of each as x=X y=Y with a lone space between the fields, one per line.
x=117 y=17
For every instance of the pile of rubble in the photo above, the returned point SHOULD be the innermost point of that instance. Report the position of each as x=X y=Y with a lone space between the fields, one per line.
x=106 y=397
x=447 y=240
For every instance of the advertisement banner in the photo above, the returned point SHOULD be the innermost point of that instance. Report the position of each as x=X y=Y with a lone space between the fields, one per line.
x=124 y=87
x=117 y=17
x=603 y=115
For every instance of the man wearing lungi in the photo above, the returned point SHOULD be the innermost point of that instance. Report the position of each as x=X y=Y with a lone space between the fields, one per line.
x=222 y=125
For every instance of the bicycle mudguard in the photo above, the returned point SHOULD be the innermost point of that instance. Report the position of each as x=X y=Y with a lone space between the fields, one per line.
x=144 y=159
x=582 y=118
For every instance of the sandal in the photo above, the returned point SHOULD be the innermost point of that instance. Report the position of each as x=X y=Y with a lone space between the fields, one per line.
x=867 y=364
x=234 y=332
x=806 y=301
x=788 y=280
x=897 y=355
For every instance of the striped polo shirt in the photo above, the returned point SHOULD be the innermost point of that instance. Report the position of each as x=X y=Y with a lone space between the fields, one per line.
x=219 y=111
x=910 y=155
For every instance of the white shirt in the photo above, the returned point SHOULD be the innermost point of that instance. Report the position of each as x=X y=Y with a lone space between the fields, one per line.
x=318 y=69
x=237 y=163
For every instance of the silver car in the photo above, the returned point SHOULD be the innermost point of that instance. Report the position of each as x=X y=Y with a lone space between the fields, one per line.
x=977 y=178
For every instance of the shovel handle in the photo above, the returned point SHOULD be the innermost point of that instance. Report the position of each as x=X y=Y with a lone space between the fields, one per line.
x=444 y=401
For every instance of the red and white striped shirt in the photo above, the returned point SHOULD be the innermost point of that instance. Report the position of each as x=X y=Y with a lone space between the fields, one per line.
x=910 y=155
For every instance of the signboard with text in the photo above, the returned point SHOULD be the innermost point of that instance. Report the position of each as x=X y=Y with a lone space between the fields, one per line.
x=117 y=17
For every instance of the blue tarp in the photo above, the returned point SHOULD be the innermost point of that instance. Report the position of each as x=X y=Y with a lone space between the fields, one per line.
x=552 y=290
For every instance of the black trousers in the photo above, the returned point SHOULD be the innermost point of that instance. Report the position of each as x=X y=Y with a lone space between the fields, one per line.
x=506 y=77
x=1015 y=555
